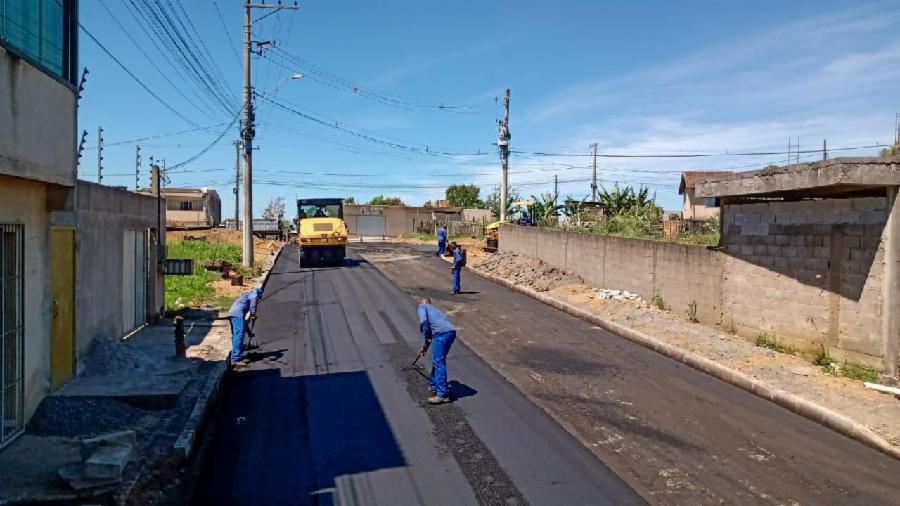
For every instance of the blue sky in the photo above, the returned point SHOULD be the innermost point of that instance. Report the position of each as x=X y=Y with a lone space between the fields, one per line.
x=636 y=77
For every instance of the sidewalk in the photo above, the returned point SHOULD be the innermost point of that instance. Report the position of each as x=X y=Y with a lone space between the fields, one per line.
x=773 y=372
x=137 y=384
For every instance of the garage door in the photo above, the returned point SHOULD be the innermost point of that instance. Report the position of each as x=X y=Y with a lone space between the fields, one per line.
x=370 y=225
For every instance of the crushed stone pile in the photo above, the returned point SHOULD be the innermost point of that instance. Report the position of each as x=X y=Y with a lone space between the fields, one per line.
x=527 y=271
x=110 y=356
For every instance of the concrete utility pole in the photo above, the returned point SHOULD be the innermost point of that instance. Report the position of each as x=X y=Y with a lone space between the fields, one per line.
x=248 y=131
x=503 y=142
x=155 y=190
x=555 y=185
x=594 y=177
x=237 y=185
x=824 y=149
x=99 y=155
x=137 y=167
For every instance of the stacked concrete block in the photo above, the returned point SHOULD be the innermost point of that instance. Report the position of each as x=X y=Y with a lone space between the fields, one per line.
x=103 y=458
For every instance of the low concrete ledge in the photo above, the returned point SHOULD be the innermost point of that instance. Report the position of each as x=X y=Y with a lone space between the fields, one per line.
x=839 y=174
x=807 y=409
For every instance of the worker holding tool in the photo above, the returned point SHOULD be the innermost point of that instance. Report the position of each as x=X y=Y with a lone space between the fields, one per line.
x=245 y=305
x=439 y=334
x=442 y=240
x=459 y=261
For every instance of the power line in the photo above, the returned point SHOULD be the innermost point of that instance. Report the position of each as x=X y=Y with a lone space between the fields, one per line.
x=160 y=136
x=225 y=31
x=697 y=155
x=324 y=77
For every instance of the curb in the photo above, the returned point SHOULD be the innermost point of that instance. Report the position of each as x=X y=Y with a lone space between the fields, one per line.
x=184 y=445
x=807 y=409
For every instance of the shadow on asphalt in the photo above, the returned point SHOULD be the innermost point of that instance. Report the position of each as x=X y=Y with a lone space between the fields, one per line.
x=269 y=356
x=461 y=390
x=284 y=440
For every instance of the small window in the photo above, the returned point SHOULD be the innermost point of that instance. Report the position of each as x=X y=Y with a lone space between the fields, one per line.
x=187 y=206
x=711 y=202
x=11 y=332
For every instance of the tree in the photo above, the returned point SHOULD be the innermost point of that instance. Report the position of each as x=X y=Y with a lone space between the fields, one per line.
x=350 y=200
x=546 y=207
x=381 y=200
x=274 y=210
x=464 y=195
x=621 y=200
x=493 y=201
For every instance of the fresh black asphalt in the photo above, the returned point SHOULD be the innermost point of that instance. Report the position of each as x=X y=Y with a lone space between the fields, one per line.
x=325 y=413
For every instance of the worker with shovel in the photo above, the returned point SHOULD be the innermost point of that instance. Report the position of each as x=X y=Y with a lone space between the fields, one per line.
x=237 y=315
x=439 y=334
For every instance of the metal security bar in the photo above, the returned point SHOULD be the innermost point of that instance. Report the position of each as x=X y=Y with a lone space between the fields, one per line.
x=11 y=332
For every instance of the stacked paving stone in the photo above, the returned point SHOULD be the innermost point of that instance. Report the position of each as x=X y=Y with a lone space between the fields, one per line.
x=103 y=459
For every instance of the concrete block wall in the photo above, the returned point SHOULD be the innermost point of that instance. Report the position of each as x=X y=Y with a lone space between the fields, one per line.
x=681 y=274
x=808 y=274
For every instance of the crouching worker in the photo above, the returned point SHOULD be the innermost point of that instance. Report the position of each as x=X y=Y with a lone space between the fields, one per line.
x=245 y=305
x=439 y=334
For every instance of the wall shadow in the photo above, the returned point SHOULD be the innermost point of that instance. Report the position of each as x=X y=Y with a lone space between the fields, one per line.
x=284 y=440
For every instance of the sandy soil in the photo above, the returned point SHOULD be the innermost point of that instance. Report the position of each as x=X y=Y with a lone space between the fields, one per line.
x=794 y=374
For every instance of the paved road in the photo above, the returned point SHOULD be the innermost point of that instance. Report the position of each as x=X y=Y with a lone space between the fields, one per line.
x=325 y=415
x=676 y=435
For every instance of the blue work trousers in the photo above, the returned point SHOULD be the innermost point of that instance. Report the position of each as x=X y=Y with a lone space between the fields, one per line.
x=440 y=347
x=238 y=329
x=442 y=247
x=456 y=271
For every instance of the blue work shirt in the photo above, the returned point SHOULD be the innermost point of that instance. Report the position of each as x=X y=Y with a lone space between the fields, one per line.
x=457 y=258
x=432 y=321
x=246 y=303
x=442 y=234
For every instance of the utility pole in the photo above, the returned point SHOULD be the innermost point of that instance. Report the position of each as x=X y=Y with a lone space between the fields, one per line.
x=237 y=184
x=503 y=142
x=99 y=155
x=594 y=177
x=248 y=131
x=824 y=149
x=155 y=190
x=555 y=185
x=137 y=167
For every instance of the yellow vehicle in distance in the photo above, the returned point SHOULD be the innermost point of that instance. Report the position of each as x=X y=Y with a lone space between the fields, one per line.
x=321 y=231
x=521 y=212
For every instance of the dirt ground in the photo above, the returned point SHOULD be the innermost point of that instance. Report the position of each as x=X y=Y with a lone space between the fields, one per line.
x=474 y=247
x=794 y=374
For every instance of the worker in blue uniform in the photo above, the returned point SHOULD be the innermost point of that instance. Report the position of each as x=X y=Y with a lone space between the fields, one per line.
x=245 y=305
x=439 y=334
x=442 y=240
x=458 y=263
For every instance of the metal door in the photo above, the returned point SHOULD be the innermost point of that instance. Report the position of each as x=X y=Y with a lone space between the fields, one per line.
x=11 y=331
x=134 y=280
x=371 y=225
x=62 y=306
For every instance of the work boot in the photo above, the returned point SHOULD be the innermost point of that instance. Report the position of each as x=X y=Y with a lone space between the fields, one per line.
x=432 y=391
x=436 y=399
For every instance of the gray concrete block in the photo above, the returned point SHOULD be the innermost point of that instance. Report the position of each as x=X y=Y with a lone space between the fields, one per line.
x=74 y=475
x=108 y=461
x=90 y=445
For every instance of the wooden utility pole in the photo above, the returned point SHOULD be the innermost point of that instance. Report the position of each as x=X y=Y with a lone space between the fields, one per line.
x=594 y=177
x=137 y=167
x=99 y=155
x=237 y=185
x=503 y=143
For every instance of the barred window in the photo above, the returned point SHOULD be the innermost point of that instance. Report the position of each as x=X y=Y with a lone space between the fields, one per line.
x=44 y=32
x=11 y=332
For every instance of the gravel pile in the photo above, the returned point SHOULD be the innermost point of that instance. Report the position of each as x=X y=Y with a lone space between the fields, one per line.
x=79 y=416
x=527 y=271
x=111 y=356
